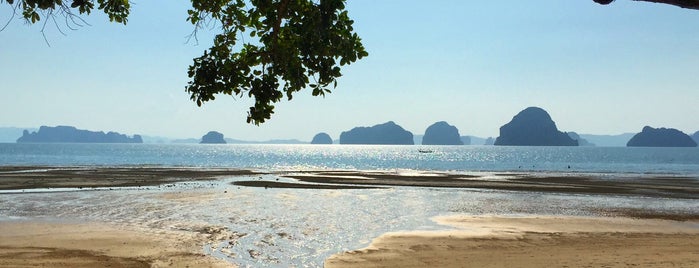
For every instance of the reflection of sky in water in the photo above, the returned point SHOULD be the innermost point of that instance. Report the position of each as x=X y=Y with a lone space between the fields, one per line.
x=302 y=227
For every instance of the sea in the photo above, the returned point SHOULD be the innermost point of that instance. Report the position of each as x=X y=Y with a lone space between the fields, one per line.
x=302 y=227
x=681 y=161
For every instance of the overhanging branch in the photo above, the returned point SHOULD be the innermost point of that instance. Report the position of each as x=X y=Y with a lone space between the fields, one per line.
x=690 y=4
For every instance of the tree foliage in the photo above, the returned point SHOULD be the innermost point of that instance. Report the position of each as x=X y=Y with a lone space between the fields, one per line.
x=266 y=50
x=272 y=49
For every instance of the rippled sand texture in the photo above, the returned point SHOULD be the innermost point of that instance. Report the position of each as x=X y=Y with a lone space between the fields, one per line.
x=533 y=242
x=300 y=218
x=54 y=244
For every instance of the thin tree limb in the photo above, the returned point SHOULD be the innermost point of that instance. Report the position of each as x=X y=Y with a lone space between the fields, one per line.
x=689 y=4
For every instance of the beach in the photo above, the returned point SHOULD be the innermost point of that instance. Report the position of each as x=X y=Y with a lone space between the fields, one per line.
x=198 y=217
x=533 y=242
x=65 y=244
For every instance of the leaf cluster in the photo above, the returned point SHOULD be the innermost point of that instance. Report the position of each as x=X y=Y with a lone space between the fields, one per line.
x=268 y=50
x=34 y=10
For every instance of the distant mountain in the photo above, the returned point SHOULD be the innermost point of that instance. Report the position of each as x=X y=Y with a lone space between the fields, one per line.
x=386 y=133
x=581 y=141
x=466 y=140
x=213 y=137
x=155 y=139
x=71 y=134
x=661 y=137
x=695 y=136
x=619 y=140
x=277 y=141
x=441 y=133
x=11 y=134
x=322 y=138
x=236 y=141
x=191 y=140
x=533 y=126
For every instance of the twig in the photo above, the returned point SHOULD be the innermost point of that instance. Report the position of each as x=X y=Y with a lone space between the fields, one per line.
x=14 y=12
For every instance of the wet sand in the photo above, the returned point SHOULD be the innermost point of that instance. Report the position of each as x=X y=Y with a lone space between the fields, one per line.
x=60 y=244
x=626 y=238
x=534 y=242
x=18 y=177
x=569 y=183
x=34 y=177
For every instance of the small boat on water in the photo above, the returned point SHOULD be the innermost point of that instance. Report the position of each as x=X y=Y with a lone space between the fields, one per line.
x=425 y=151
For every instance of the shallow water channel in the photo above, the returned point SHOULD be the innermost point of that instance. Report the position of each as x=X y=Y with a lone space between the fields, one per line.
x=301 y=227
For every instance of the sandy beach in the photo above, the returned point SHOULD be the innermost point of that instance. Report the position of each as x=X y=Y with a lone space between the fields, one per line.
x=534 y=242
x=616 y=236
x=63 y=244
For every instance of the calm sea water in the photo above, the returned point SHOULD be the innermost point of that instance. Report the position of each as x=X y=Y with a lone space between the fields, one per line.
x=682 y=161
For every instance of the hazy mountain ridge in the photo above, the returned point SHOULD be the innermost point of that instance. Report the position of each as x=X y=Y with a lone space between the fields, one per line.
x=70 y=134
x=11 y=134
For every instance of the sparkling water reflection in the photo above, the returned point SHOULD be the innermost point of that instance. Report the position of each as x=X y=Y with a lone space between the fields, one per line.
x=302 y=227
x=366 y=157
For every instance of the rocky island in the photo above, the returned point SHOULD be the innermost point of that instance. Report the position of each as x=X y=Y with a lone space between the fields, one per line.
x=213 y=137
x=533 y=126
x=661 y=137
x=322 y=138
x=441 y=133
x=386 y=133
x=69 y=134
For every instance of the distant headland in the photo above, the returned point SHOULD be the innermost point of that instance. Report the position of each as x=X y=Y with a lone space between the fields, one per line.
x=69 y=134
x=661 y=137
x=213 y=137
x=533 y=126
x=322 y=138
x=386 y=133
x=441 y=133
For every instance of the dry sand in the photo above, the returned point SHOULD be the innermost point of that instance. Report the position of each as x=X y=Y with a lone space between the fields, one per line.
x=534 y=242
x=54 y=244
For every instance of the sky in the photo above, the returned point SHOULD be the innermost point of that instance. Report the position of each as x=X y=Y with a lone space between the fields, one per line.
x=474 y=64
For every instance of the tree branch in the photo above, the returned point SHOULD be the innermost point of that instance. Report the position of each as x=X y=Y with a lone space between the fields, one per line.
x=690 y=4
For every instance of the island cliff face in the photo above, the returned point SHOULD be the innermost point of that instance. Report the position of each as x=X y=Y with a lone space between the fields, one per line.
x=322 y=138
x=69 y=134
x=661 y=137
x=213 y=137
x=441 y=133
x=533 y=127
x=387 y=133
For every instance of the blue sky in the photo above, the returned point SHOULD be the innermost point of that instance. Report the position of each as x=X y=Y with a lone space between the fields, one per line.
x=475 y=64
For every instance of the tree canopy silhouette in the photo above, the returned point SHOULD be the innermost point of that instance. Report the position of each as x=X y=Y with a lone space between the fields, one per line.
x=266 y=49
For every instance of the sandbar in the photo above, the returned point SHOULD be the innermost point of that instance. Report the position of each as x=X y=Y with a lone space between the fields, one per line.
x=63 y=244
x=496 y=241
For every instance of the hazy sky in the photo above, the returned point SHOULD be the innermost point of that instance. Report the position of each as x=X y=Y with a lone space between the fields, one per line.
x=475 y=64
